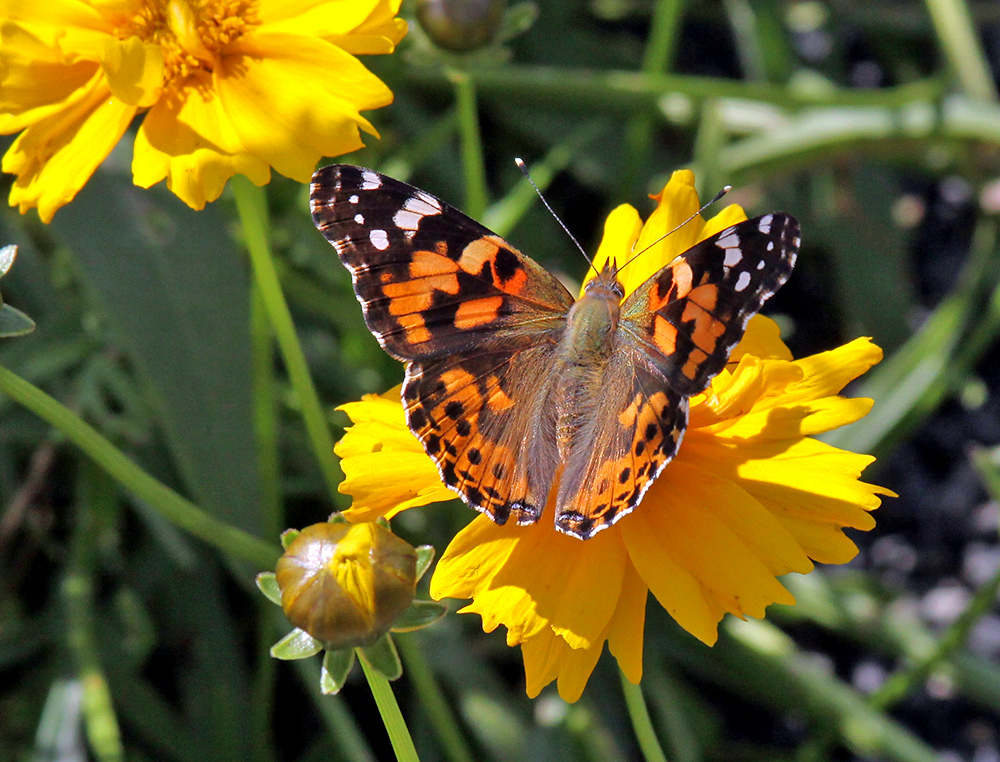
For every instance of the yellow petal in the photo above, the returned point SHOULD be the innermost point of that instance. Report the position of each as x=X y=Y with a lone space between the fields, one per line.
x=762 y=339
x=827 y=373
x=386 y=483
x=56 y=156
x=360 y=28
x=547 y=657
x=731 y=215
x=387 y=469
x=676 y=588
x=626 y=628
x=534 y=574
x=35 y=81
x=293 y=100
x=186 y=138
x=722 y=537
x=825 y=543
x=805 y=477
x=676 y=203
x=134 y=70
x=621 y=229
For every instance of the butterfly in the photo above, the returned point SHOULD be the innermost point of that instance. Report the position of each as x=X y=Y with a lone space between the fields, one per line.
x=514 y=387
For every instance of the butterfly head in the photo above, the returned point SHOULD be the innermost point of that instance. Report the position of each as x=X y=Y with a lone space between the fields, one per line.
x=606 y=283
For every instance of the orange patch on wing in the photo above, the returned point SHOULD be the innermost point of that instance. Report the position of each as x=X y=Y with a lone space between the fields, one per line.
x=477 y=312
x=629 y=414
x=416 y=331
x=428 y=263
x=476 y=254
x=496 y=398
x=664 y=335
x=515 y=283
x=417 y=295
x=683 y=277
x=456 y=378
x=694 y=361
x=705 y=297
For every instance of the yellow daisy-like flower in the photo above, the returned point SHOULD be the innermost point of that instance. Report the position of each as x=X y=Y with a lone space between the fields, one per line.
x=749 y=497
x=230 y=86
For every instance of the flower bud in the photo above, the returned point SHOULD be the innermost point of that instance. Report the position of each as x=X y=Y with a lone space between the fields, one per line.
x=460 y=25
x=345 y=584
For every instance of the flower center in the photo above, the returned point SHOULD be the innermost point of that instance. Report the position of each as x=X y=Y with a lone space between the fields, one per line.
x=191 y=33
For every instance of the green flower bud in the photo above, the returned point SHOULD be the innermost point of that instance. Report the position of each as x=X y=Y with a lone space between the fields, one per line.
x=460 y=25
x=345 y=584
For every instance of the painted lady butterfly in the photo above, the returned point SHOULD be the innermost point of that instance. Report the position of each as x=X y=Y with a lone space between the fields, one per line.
x=513 y=386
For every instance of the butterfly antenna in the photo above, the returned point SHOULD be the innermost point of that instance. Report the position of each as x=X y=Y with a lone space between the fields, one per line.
x=715 y=198
x=524 y=171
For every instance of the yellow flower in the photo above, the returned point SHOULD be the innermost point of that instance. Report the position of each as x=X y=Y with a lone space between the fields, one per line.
x=749 y=497
x=230 y=86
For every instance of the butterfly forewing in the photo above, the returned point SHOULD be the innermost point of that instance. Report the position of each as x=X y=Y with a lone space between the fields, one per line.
x=693 y=313
x=431 y=280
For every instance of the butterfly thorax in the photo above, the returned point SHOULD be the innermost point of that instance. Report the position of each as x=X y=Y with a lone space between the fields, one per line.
x=586 y=347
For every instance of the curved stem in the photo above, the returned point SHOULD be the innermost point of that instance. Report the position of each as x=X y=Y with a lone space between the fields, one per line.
x=252 y=209
x=638 y=712
x=161 y=498
x=474 y=169
x=392 y=718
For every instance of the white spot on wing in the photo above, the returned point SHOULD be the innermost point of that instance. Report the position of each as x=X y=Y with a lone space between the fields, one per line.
x=428 y=199
x=407 y=220
x=764 y=225
x=760 y=265
x=743 y=281
x=354 y=199
x=359 y=218
x=733 y=256
x=379 y=239
x=728 y=241
x=770 y=245
x=370 y=180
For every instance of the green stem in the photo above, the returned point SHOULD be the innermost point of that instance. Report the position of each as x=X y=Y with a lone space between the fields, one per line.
x=615 y=91
x=656 y=58
x=473 y=165
x=432 y=700
x=250 y=203
x=960 y=43
x=638 y=712
x=164 y=500
x=392 y=718
x=265 y=414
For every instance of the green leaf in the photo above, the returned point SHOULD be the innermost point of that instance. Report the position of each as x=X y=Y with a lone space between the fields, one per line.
x=383 y=657
x=298 y=644
x=336 y=667
x=420 y=614
x=13 y=322
x=288 y=537
x=425 y=556
x=7 y=256
x=175 y=291
x=267 y=583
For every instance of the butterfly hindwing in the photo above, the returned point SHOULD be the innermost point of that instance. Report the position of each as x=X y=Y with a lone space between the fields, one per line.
x=484 y=419
x=431 y=280
x=607 y=476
